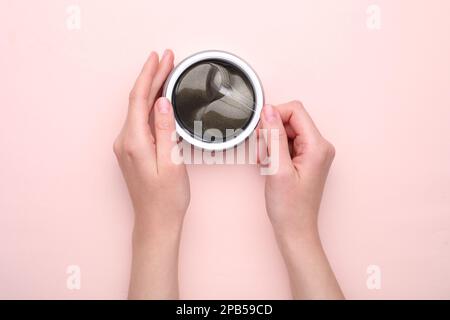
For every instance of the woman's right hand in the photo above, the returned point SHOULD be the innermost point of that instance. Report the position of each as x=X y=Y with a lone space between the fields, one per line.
x=293 y=195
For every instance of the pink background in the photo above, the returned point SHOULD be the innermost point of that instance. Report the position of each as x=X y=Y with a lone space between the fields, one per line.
x=382 y=97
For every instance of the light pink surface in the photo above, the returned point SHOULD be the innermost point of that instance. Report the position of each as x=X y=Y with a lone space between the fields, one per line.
x=382 y=97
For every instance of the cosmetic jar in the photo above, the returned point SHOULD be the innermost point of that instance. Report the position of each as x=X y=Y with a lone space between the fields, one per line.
x=217 y=99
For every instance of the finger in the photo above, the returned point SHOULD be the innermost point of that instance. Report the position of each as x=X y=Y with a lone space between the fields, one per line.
x=289 y=131
x=165 y=67
x=277 y=141
x=258 y=126
x=143 y=84
x=164 y=128
x=261 y=146
x=298 y=121
x=138 y=106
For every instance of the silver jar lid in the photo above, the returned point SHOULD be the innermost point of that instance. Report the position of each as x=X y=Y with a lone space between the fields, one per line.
x=217 y=99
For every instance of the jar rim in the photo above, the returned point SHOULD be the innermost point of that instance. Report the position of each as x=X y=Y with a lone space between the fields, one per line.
x=243 y=66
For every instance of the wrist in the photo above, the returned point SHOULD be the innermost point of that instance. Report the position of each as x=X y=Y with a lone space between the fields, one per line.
x=295 y=240
x=295 y=226
x=154 y=226
x=306 y=237
x=144 y=234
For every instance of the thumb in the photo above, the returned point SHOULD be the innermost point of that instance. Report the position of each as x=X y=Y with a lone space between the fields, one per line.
x=276 y=141
x=164 y=133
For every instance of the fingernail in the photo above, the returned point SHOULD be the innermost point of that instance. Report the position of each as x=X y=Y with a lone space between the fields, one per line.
x=163 y=105
x=165 y=54
x=153 y=54
x=269 y=113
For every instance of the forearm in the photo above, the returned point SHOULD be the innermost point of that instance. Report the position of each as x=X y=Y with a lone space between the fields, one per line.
x=310 y=273
x=154 y=271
